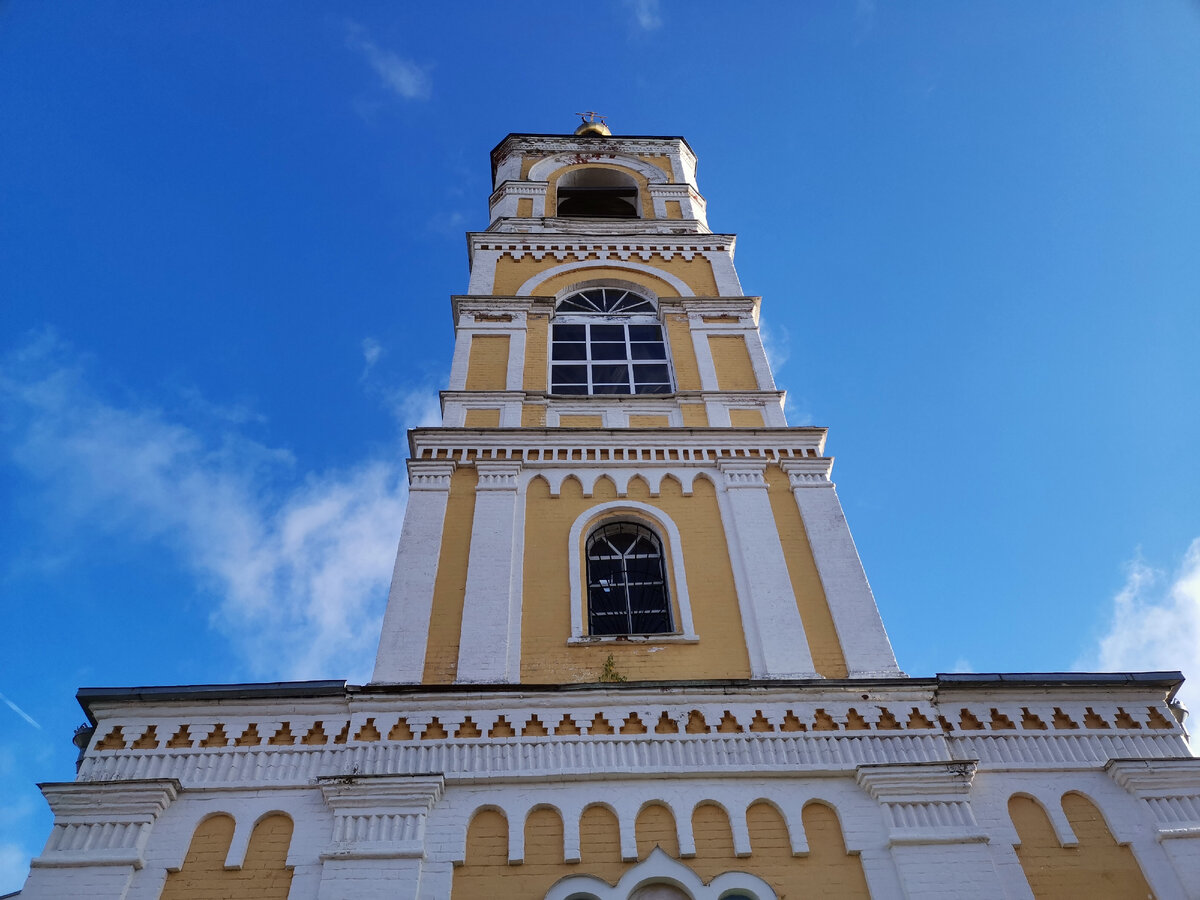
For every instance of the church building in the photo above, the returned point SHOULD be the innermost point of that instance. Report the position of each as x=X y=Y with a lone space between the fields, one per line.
x=630 y=651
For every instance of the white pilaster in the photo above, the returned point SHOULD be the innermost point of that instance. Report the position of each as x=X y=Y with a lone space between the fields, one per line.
x=865 y=644
x=1169 y=795
x=767 y=599
x=488 y=604
x=99 y=837
x=405 y=632
x=939 y=848
x=378 y=835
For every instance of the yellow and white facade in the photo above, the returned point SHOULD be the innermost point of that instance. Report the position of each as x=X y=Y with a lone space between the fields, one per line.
x=629 y=650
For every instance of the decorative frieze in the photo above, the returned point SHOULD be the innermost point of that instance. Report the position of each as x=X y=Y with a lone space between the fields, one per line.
x=103 y=824
x=925 y=803
x=1170 y=788
x=379 y=816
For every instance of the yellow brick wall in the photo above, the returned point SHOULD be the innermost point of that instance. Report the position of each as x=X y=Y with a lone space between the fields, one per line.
x=822 y=636
x=482 y=418
x=655 y=827
x=445 y=626
x=524 y=207
x=683 y=353
x=533 y=415
x=1097 y=869
x=674 y=209
x=731 y=359
x=546 y=616
x=487 y=365
x=264 y=874
x=537 y=338
x=663 y=163
x=696 y=273
x=578 y=421
x=746 y=418
x=694 y=415
x=827 y=871
x=649 y=421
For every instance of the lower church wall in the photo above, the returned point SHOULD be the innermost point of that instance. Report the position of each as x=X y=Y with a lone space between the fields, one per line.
x=770 y=793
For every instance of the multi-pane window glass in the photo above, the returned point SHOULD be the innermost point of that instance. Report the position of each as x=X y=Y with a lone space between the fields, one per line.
x=627 y=586
x=607 y=341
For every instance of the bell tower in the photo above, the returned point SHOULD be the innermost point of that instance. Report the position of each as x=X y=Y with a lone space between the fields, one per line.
x=615 y=483
x=629 y=649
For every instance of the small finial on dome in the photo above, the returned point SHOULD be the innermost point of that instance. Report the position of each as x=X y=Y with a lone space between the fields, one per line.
x=593 y=124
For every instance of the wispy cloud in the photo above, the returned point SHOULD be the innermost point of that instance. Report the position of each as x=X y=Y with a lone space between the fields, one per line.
x=776 y=344
x=400 y=75
x=299 y=560
x=14 y=865
x=1155 y=624
x=647 y=14
x=372 y=350
x=20 y=712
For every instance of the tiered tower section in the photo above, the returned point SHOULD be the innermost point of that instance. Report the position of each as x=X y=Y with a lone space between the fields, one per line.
x=609 y=382
x=630 y=652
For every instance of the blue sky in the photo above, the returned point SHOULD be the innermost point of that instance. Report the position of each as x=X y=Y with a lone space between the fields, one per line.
x=229 y=232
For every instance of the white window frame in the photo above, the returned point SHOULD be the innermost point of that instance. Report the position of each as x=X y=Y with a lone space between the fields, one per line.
x=655 y=519
x=586 y=319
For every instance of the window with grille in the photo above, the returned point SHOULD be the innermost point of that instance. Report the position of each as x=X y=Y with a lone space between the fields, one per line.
x=608 y=341
x=626 y=581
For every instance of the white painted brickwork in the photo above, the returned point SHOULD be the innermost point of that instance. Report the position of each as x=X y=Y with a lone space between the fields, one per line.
x=925 y=808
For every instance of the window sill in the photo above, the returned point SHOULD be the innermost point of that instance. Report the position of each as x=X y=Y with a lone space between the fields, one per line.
x=585 y=640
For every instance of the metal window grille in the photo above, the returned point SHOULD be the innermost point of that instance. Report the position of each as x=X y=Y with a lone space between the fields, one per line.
x=608 y=341
x=627 y=585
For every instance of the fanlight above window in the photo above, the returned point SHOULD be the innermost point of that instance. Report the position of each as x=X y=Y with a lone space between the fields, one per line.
x=627 y=584
x=608 y=341
x=605 y=301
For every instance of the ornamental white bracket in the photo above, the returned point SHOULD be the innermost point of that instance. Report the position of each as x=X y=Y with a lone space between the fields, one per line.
x=105 y=824
x=430 y=475
x=1169 y=787
x=379 y=816
x=743 y=473
x=808 y=472
x=496 y=475
x=925 y=803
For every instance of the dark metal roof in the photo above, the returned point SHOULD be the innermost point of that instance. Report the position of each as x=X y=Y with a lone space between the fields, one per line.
x=1168 y=681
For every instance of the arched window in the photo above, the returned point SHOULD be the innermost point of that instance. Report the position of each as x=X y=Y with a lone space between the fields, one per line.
x=626 y=581
x=598 y=193
x=608 y=341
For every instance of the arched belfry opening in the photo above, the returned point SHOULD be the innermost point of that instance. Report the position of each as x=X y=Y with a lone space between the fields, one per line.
x=598 y=193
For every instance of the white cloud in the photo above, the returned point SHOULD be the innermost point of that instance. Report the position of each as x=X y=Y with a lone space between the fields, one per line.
x=402 y=76
x=300 y=561
x=372 y=350
x=1155 y=624
x=776 y=344
x=14 y=866
x=646 y=13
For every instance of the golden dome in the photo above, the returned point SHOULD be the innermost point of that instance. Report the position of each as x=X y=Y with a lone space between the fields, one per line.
x=593 y=124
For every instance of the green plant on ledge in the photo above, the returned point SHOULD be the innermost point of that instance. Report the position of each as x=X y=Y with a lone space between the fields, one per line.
x=609 y=674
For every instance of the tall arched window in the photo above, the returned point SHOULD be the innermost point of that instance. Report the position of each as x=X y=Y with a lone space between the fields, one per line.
x=626 y=581
x=608 y=341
